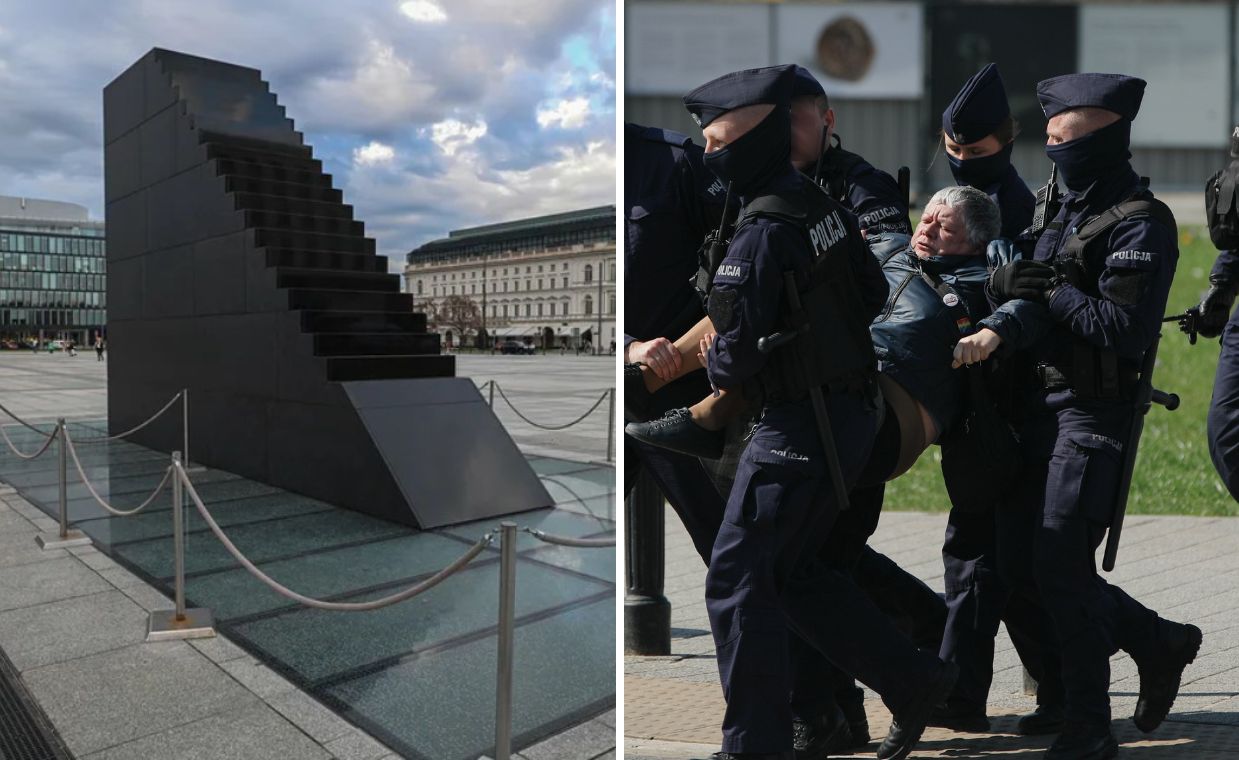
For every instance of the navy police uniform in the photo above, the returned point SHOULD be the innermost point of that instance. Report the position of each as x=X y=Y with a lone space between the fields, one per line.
x=1103 y=310
x=671 y=200
x=765 y=574
x=1223 y=421
x=868 y=192
x=976 y=598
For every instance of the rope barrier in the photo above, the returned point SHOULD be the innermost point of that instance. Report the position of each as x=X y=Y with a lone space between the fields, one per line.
x=275 y=586
x=46 y=444
x=86 y=482
x=23 y=422
x=586 y=543
x=588 y=412
x=118 y=436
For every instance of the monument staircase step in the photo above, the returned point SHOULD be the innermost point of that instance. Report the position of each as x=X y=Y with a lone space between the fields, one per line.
x=329 y=225
x=348 y=300
x=312 y=241
x=256 y=155
x=209 y=137
x=378 y=282
x=277 y=204
x=270 y=172
x=363 y=322
x=375 y=344
x=340 y=369
x=294 y=190
x=347 y=262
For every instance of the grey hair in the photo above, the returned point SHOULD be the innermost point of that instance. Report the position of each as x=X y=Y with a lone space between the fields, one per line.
x=982 y=220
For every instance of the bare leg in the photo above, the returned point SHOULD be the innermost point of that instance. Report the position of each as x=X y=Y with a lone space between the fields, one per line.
x=714 y=412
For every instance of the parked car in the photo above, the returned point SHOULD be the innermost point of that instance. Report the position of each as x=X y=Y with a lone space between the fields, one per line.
x=516 y=347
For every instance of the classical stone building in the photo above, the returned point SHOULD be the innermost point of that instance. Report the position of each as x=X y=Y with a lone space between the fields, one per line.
x=547 y=281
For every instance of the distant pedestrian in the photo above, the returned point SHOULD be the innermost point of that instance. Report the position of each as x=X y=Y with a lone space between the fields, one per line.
x=72 y=349
x=98 y=349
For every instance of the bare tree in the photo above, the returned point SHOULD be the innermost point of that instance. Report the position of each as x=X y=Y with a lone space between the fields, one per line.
x=461 y=315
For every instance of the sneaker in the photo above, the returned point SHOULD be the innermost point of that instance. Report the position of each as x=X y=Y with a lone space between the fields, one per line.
x=909 y=724
x=676 y=431
x=1159 y=681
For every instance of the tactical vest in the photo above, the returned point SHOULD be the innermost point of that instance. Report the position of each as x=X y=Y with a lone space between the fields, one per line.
x=832 y=348
x=1092 y=371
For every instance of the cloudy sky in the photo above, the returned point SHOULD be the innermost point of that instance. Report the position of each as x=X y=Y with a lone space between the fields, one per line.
x=430 y=114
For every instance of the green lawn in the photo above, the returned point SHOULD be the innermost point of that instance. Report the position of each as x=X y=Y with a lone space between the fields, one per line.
x=1173 y=471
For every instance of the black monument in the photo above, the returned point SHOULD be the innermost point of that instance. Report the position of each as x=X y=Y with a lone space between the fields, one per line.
x=235 y=270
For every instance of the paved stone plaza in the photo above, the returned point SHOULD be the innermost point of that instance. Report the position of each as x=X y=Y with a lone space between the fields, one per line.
x=72 y=621
x=1186 y=568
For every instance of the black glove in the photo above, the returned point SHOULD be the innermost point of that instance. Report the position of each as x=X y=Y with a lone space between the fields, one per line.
x=1030 y=280
x=1215 y=308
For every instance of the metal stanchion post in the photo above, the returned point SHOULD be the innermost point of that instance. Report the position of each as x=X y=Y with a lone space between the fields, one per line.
x=647 y=613
x=65 y=538
x=611 y=427
x=492 y=394
x=507 y=630
x=180 y=623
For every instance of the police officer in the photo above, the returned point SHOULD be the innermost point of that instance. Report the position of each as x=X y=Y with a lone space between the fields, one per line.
x=764 y=574
x=1222 y=213
x=978 y=135
x=817 y=150
x=670 y=201
x=1099 y=282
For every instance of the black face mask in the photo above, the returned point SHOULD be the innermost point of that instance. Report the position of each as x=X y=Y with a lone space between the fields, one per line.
x=758 y=157
x=981 y=172
x=1085 y=159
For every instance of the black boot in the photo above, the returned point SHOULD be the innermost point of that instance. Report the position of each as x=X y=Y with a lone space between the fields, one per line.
x=637 y=397
x=819 y=737
x=1045 y=720
x=852 y=702
x=961 y=717
x=909 y=724
x=1080 y=741
x=676 y=431
x=1159 y=680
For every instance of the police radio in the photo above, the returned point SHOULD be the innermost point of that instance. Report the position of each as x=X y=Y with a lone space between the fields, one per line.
x=713 y=250
x=1048 y=203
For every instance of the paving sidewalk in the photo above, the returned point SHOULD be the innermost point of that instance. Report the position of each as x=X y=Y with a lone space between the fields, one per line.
x=1186 y=568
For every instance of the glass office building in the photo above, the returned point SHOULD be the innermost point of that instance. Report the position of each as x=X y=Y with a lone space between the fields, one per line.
x=52 y=273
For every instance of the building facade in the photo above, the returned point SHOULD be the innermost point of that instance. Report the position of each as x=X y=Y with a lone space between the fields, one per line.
x=53 y=269
x=548 y=282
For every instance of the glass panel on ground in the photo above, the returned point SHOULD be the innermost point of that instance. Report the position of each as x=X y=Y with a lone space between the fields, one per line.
x=419 y=675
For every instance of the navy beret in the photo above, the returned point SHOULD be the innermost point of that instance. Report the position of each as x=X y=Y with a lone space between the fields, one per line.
x=772 y=84
x=806 y=84
x=1114 y=92
x=978 y=109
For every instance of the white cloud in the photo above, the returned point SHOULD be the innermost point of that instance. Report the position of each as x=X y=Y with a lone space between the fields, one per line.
x=382 y=90
x=373 y=154
x=426 y=11
x=451 y=134
x=567 y=114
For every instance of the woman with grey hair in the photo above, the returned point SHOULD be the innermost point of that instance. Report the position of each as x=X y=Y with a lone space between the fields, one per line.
x=914 y=336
